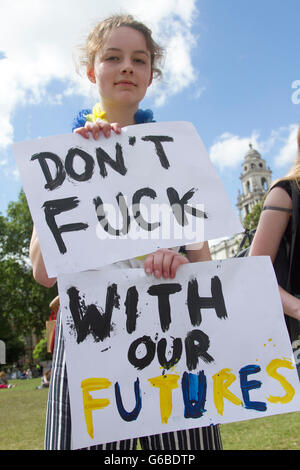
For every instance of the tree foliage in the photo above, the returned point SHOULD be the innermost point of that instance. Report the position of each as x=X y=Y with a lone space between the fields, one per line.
x=14 y=344
x=251 y=220
x=24 y=303
x=40 y=351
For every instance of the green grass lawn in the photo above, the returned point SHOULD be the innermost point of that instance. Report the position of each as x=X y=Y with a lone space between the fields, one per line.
x=23 y=408
x=22 y=411
x=278 y=432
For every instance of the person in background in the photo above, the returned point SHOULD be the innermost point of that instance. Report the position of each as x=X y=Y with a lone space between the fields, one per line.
x=23 y=375
x=4 y=381
x=275 y=223
x=45 y=380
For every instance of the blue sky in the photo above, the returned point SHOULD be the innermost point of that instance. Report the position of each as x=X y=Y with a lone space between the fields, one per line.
x=230 y=69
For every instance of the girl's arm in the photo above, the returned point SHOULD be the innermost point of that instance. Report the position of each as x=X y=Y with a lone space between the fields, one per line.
x=38 y=266
x=271 y=227
x=272 y=224
x=290 y=304
x=198 y=252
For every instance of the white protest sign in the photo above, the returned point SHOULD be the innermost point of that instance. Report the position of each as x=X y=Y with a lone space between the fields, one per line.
x=146 y=356
x=151 y=187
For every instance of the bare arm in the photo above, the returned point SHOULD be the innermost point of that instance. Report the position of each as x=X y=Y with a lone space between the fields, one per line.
x=272 y=225
x=270 y=230
x=198 y=252
x=38 y=266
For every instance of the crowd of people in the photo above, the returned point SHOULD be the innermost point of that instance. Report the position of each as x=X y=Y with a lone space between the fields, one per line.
x=23 y=375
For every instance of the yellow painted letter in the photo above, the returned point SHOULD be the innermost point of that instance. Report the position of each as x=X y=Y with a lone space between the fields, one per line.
x=272 y=371
x=165 y=383
x=222 y=380
x=90 y=403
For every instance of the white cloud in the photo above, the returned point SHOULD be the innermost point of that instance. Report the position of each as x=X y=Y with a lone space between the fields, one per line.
x=229 y=150
x=6 y=131
x=199 y=92
x=288 y=152
x=38 y=37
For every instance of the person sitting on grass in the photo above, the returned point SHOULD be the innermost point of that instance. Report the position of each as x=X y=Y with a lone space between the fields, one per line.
x=45 y=380
x=4 y=382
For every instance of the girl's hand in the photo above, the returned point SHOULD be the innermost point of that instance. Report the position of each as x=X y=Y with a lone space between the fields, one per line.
x=164 y=263
x=98 y=127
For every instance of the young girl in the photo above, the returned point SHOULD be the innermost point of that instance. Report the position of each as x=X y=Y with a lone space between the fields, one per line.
x=121 y=59
x=274 y=224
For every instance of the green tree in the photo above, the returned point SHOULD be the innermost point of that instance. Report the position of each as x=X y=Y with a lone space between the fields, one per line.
x=40 y=351
x=14 y=344
x=16 y=229
x=251 y=220
x=250 y=224
x=24 y=303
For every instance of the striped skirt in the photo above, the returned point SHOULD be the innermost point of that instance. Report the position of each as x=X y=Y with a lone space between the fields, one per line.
x=58 y=432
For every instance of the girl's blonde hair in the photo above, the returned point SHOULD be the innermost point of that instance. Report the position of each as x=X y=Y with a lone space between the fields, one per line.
x=294 y=173
x=99 y=33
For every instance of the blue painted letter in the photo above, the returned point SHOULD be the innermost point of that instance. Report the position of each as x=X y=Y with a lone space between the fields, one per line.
x=194 y=394
x=132 y=415
x=246 y=386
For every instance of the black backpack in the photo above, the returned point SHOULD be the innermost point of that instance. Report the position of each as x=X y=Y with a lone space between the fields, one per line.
x=248 y=235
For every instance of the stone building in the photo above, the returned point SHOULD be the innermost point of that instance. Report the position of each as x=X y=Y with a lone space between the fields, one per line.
x=256 y=179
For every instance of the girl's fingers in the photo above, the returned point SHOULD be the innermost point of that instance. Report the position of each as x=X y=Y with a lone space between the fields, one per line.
x=98 y=127
x=116 y=128
x=153 y=264
x=164 y=263
x=82 y=131
x=91 y=127
x=104 y=127
x=148 y=264
x=177 y=261
x=158 y=257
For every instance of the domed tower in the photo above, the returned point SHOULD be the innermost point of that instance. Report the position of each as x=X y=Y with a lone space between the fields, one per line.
x=256 y=179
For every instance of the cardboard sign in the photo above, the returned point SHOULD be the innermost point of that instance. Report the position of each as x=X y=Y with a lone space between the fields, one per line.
x=146 y=356
x=97 y=202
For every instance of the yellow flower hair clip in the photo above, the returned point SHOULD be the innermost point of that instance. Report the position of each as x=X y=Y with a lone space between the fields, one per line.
x=97 y=113
x=140 y=117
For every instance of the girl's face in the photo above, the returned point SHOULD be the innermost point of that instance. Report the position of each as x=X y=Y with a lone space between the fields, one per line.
x=122 y=68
